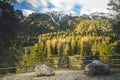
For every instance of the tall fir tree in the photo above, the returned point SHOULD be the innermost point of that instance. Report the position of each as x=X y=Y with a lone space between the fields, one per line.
x=8 y=27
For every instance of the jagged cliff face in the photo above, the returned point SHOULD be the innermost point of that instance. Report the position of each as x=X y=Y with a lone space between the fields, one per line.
x=58 y=18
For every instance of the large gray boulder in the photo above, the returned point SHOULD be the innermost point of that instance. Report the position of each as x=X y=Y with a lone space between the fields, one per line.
x=97 y=68
x=43 y=70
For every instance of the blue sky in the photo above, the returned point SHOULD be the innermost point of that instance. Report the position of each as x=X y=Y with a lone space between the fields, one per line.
x=76 y=7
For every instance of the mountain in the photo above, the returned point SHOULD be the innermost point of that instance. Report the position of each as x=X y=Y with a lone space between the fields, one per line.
x=47 y=35
x=44 y=23
x=96 y=15
x=58 y=18
x=33 y=25
x=36 y=24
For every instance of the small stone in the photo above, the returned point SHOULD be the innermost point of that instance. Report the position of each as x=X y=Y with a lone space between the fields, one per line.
x=43 y=70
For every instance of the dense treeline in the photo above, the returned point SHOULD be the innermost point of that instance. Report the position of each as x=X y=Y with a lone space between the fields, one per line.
x=83 y=38
x=8 y=32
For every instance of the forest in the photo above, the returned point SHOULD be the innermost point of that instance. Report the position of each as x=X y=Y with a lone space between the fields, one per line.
x=26 y=41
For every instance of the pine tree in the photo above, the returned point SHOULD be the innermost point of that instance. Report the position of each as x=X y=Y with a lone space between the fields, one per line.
x=59 y=47
x=34 y=57
x=49 y=54
x=41 y=49
x=8 y=27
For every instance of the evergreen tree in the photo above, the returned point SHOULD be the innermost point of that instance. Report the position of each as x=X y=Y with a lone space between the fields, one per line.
x=8 y=27
x=49 y=54
x=41 y=49
x=34 y=57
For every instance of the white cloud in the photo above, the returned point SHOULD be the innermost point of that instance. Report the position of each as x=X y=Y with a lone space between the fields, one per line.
x=26 y=12
x=34 y=3
x=88 y=6
x=94 y=6
x=37 y=3
x=66 y=6
x=19 y=1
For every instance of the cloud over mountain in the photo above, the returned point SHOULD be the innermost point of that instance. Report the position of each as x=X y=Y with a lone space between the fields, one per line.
x=63 y=6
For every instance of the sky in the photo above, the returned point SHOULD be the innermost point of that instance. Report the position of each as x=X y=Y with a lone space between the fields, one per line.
x=75 y=7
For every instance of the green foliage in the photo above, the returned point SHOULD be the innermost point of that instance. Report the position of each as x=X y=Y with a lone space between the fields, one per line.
x=8 y=27
x=36 y=24
x=94 y=28
x=34 y=56
x=117 y=47
x=8 y=31
x=33 y=25
x=74 y=36
x=83 y=37
x=103 y=46
x=82 y=45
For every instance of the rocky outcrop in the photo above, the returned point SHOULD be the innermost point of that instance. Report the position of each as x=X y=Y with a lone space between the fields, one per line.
x=97 y=68
x=44 y=70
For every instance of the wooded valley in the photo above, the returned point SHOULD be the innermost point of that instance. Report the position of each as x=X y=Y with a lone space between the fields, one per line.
x=54 y=35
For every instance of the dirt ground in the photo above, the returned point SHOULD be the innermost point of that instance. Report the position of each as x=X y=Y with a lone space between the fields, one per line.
x=63 y=75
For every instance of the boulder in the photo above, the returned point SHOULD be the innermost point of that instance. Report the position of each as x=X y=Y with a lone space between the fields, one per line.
x=97 y=68
x=43 y=70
